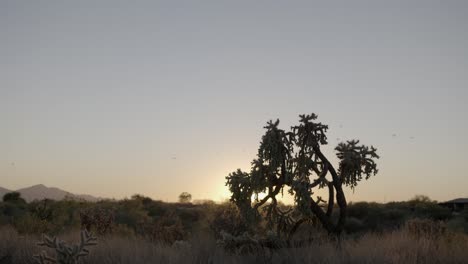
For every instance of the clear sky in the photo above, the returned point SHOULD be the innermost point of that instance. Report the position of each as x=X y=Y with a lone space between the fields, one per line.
x=113 y=98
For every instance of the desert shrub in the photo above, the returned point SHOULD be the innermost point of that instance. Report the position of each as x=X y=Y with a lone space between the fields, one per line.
x=358 y=210
x=432 y=211
x=395 y=216
x=241 y=244
x=185 y=197
x=131 y=213
x=354 y=225
x=423 y=207
x=65 y=213
x=156 y=208
x=188 y=216
x=381 y=217
x=144 y=200
x=227 y=218
x=12 y=212
x=166 y=229
x=13 y=209
x=458 y=224
x=13 y=197
x=203 y=202
x=4 y=220
x=100 y=218
x=425 y=228
x=464 y=214
x=419 y=199
x=169 y=234
x=120 y=230
x=30 y=224
x=42 y=209
x=371 y=214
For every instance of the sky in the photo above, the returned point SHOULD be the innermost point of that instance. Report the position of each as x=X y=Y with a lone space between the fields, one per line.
x=114 y=98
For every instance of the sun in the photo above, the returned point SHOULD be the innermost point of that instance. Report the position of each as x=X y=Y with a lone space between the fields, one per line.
x=222 y=194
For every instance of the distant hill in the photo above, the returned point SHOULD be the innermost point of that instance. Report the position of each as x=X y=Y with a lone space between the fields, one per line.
x=40 y=191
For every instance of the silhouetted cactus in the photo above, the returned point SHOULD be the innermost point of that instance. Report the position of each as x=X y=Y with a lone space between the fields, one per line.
x=65 y=254
x=295 y=160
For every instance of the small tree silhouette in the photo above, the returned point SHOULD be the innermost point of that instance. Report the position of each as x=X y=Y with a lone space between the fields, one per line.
x=185 y=197
x=295 y=160
x=13 y=197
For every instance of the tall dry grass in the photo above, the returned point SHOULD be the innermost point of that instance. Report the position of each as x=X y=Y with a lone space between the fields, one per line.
x=393 y=247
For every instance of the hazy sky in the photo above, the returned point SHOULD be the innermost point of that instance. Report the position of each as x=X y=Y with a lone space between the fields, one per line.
x=113 y=98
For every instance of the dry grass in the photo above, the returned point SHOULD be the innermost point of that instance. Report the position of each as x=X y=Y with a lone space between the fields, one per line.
x=394 y=247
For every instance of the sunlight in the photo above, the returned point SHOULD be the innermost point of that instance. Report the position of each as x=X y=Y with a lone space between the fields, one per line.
x=223 y=194
x=260 y=196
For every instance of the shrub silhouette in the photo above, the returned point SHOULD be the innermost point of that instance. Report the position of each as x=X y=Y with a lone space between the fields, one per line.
x=167 y=229
x=465 y=214
x=42 y=209
x=295 y=160
x=423 y=207
x=227 y=218
x=185 y=197
x=13 y=197
x=99 y=218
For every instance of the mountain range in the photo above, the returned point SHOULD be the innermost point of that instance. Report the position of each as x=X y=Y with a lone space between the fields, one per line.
x=40 y=191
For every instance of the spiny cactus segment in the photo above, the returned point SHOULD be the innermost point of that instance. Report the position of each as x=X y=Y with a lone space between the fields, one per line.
x=65 y=254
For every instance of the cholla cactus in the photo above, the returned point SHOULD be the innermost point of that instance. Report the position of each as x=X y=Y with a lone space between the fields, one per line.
x=295 y=160
x=65 y=254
